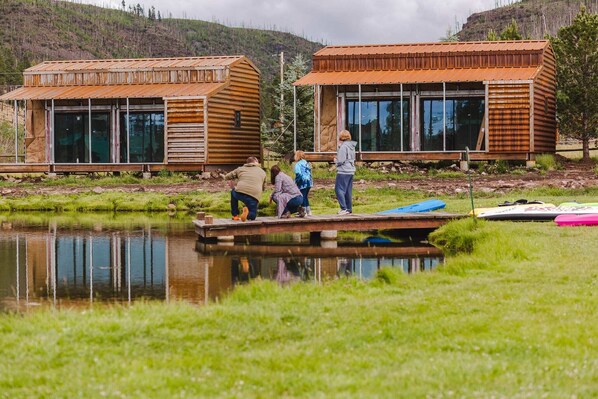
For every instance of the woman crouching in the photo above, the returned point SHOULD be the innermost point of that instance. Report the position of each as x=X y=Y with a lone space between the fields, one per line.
x=286 y=195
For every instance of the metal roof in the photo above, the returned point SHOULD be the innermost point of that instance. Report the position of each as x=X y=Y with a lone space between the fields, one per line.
x=133 y=64
x=115 y=91
x=418 y=76
x=435 y=48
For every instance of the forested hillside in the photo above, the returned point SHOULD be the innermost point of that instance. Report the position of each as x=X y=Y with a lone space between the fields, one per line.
x=535 y=18
x=36 y=30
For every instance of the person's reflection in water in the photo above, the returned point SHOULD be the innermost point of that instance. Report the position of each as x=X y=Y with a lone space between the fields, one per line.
x=344 y=267
x=242 y=270
x=288 y=270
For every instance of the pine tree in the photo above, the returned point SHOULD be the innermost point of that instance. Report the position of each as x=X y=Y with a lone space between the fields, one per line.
x=576 y=51
x=511 y=32
x=280 y=138
x=492 y=36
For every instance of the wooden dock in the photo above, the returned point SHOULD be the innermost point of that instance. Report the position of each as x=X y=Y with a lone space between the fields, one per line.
x=415 y=223
x=342 y=249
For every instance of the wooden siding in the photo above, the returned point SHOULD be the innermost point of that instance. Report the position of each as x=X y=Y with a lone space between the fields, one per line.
x=185 y=131
x=545 y=106
x=406 y=62
x=509 y=117
x=227 y=144
x=110 y=78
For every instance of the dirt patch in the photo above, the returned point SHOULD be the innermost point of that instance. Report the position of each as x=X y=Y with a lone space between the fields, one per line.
x=572 y=175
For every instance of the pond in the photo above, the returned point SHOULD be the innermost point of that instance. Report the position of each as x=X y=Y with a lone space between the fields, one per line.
x=71 y=262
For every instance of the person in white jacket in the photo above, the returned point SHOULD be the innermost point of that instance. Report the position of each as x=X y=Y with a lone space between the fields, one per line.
x=345 y=169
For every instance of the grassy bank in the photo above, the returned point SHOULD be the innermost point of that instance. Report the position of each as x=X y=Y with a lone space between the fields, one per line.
x=512 y=314
x=365 y=199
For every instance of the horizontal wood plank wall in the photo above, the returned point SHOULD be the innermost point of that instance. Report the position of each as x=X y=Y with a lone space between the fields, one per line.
x=509 y=117
x=102 y=78
x=394 y=62
x=185 y=131
x=545 y=106
x=227 y=144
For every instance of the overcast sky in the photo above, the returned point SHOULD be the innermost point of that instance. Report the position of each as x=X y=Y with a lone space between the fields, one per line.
x=329 y=21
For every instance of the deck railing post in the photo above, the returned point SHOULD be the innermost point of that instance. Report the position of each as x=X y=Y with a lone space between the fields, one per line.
x=294 y=118
x=359 y=107
x=24 y=129
x=52 y=157
x=89 y=123
x=443 y=116
x=128 y=133
x=315 y=112
x=16 y=120
x=401 y=117
x=319 y=118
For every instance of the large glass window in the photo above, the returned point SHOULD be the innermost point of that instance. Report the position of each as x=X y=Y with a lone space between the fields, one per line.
x=146 y=137
x=463 y=122
x=71 y=137
x=380 y=124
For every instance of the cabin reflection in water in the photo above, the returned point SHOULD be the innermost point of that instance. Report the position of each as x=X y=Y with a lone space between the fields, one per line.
x=71 y=268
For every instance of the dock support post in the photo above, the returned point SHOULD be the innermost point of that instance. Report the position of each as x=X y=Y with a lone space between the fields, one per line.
x=329 y=235
x=329 y=244
x=316 y=237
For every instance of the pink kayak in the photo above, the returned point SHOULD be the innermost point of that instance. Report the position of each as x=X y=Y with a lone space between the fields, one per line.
x=590 y=219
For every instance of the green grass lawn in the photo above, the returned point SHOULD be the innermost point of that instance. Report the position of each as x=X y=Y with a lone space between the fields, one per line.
x=512 y=314
x=366 y=199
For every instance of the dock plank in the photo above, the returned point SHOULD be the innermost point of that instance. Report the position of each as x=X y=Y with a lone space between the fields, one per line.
x=423 y=221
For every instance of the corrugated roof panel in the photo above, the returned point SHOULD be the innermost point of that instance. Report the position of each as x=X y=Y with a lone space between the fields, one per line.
x=117 y=91
x=440 y=47
x=417 y=76
x=141 y=63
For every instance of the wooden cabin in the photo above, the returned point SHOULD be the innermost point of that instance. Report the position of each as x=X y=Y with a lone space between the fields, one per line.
x=431 y=101
x=178 y=114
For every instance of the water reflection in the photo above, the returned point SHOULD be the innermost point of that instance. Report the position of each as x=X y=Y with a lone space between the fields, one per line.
x=74 y=267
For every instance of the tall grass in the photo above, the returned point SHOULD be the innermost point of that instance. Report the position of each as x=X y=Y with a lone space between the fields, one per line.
x=547 y=162
x=513 y=316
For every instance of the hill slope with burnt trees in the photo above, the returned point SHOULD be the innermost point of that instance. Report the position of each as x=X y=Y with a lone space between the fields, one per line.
x=32 y=31
x=535 y=18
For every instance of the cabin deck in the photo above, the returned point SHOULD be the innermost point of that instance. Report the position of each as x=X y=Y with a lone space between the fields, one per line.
x=422 y=222
x=27 y=168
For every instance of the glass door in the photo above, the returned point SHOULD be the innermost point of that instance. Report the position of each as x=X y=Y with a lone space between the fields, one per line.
x=72 y=138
